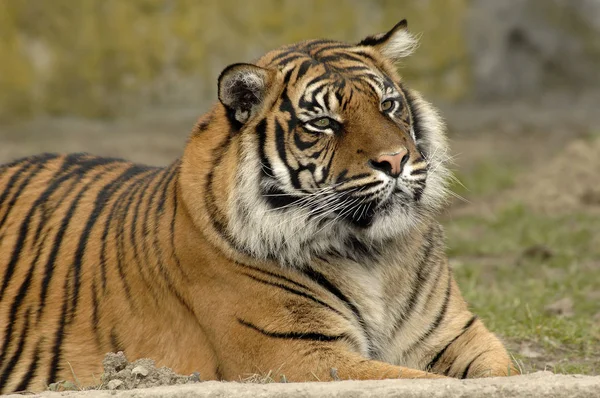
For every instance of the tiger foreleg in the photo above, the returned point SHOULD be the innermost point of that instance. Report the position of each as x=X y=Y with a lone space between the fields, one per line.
x=301 y=361
x=474 y=352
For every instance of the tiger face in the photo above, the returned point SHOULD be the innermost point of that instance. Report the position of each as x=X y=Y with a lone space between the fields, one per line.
x=338 y=155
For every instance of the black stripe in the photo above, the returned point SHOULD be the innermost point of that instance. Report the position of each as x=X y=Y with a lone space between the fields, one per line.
x=23 y=232
x=14 y=312
x=280 y=144
x=321 y=280
x=261 y=132
x=134 y=242
x=174 y=217
x=303 y=68
x=115 y=341
x=311 y=336
x=95 y=313
x=466 y=371
x=290 y=58
x=438 y=356
x=119 y=213
x=420 y=280
x=99 y=204
x=432 y=291
x=20 y=297
x=287 y=76
x=210 y=201
x=17 y=354
x=145 y=222
x=218 y=373
x=333 y=45
x=205 y=123
x=31 y=371
x=39 y=202
x=8 y=187
x=293 y=291
x=362 y=186
x=276 y=198
x=438 y=320
x=274 y=275
x=47 y=212
x=58 y=239
x=292 y=50
x=365 y=55
x=416 y=119
x=60 y=333
x=159 y=211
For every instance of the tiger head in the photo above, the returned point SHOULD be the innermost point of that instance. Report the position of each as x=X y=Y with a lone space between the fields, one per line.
x=334 y=155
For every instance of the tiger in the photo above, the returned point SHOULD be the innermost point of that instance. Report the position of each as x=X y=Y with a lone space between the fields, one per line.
x=296 y=236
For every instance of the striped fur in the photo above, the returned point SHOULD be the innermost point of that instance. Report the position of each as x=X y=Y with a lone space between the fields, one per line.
x=278 y=242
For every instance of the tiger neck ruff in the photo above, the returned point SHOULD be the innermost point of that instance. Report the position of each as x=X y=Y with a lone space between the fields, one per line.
x=296 y=235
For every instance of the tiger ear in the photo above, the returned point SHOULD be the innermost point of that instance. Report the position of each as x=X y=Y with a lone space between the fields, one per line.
x=242 y=89
x=395 y=44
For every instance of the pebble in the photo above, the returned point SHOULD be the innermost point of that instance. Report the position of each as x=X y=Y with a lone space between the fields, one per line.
x=139 y=371
x=114 y=384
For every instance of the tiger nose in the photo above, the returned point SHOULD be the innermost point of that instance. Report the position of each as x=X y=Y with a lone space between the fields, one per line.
x=391 y=163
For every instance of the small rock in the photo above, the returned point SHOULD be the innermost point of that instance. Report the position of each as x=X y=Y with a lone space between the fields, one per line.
x=334 y=374
x=562 y=307
x=194 y=377
x=123 y=374
x=114 y=384
x=114 y=362
x=139 y=371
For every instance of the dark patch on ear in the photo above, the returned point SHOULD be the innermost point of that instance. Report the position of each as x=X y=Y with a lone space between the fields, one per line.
x=233 y=122
x=383 y=37
x=242 y=89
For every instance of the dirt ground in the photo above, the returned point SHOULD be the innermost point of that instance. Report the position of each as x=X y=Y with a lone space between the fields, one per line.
x=142 y=379
x=552 y=164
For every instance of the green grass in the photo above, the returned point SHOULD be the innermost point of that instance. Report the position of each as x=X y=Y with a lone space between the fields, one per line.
x=513 y=264
x=485 y=177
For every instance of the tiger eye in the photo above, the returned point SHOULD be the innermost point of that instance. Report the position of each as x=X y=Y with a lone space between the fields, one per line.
x=387 y=105
x=323 y=122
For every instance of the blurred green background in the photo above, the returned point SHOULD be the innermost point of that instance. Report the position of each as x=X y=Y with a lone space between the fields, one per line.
x=105 y=58
x=517 y=81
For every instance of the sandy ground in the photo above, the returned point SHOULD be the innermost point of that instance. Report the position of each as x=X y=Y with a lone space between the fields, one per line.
x=540 y=384
x=142 y=379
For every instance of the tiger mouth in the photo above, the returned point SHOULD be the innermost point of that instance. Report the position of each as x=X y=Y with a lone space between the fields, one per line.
x=354 y=206
x=363 y=213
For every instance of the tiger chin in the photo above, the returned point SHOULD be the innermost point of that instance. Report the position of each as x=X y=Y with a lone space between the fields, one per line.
x=295 y=235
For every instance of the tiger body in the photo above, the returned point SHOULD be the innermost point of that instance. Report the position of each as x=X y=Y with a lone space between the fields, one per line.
x=292 y=237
